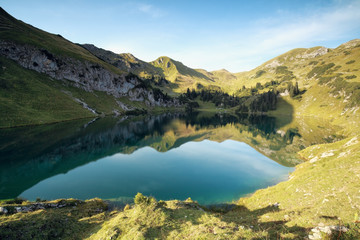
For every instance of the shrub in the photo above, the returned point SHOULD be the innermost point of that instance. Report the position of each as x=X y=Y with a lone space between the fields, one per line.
x=313 y=62
x=287 y=78
x=350 y=62
x=282 y=70
x=259 y=73
x=258 y=86
x=127 y=207
x=161 y=203
x=320 y=70
x=350 y=77
x=16 y=200
x=141 y=199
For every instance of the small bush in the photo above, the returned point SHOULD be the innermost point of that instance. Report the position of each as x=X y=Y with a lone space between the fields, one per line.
x=350 y=62
x=15 y=201
x=127 y=207
x=141 y=199
x=324 y=80
x=319 y=71
x=259 y=73
x=282 y=70
x=350 y=77
x=287 y=77
x=161 y=203
x=313 y=62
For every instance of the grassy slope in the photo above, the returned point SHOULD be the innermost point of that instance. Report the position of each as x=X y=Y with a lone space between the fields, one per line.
x=182 y=76
x=324 y=189
x=300 y=63
x=19 y=32
x=71 y=222
x=28 y=97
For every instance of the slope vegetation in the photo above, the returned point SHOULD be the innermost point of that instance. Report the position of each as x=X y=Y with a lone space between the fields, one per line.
x=46 y=78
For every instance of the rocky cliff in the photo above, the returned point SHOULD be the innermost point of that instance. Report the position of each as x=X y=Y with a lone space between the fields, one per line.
x=83 y=74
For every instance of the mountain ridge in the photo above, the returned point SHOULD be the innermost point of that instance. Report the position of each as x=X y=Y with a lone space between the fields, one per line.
x=45 y=78
x=133 y=82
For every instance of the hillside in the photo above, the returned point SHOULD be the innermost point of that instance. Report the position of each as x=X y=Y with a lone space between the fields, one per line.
x=179 y=76
x=126 y=62
x=297 y=65
x=78 y=83
x=45 y=78
x=182 y=76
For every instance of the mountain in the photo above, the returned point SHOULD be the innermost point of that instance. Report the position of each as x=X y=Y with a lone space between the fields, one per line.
x=46 y=78
x=328 y=78
x=296 y=64
x=126 y=62
x=180 y=76
x=85 y=80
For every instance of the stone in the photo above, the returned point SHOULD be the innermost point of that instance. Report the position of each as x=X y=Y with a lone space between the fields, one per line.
x=3 y=210
x=315 y=230
x=326 y=230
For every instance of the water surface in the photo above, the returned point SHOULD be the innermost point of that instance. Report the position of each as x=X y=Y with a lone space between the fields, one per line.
x=211 y=159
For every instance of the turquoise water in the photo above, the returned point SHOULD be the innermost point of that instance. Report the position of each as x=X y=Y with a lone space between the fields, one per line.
x=206 y=171
x=212 y=159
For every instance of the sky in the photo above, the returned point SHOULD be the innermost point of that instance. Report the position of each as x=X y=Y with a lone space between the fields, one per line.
x=209 y=34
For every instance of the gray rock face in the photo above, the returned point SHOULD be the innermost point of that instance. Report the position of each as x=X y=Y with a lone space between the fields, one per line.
x=83 y=74
x=313 y=53
x=124 y=61
x=319 y=231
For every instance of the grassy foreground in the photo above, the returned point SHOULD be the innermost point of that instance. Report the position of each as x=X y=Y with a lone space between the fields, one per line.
x=323 y=191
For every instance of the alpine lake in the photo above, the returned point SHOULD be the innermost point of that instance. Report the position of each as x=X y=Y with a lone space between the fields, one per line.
x=212 y=158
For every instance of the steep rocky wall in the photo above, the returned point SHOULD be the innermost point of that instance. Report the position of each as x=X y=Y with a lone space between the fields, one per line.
x=83 y=74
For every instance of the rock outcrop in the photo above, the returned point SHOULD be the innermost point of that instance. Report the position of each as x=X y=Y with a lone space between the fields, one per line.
x=83 y=74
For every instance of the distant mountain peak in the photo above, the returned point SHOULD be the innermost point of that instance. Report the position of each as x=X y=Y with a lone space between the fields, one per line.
x=221 y=70
x=351 y=43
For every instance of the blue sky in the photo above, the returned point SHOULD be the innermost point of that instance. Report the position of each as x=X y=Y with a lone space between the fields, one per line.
x=235 y=35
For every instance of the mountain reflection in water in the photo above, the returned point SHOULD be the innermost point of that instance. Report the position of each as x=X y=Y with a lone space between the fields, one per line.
x=33 y=157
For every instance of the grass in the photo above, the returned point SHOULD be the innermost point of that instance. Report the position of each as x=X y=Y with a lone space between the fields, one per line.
x=322 y=190
x=71 y=222
x=155 y=220
x=31 y=98
x=19 y=32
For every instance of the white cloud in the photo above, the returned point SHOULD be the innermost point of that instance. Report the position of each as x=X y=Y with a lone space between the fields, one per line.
x=330 y=25
x=246 y=49
x=150 y=10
